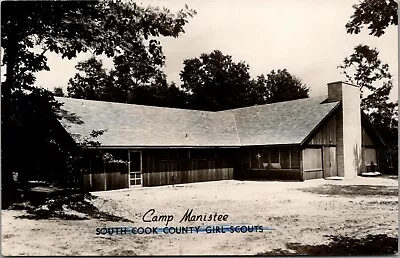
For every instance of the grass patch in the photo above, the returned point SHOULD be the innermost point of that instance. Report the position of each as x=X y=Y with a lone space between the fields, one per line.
x=353 y=190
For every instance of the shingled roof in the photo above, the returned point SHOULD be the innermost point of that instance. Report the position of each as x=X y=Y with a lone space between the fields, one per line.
x=288 y=122
x=129 y=125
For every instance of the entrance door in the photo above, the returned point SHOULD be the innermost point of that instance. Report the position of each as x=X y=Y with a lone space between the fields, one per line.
x=330 y=164
x=135 y=168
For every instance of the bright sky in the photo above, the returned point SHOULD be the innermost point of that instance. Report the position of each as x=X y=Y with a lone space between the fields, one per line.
x=307 y=37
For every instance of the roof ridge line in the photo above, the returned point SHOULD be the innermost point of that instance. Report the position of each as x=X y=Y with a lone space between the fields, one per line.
x=236 y=128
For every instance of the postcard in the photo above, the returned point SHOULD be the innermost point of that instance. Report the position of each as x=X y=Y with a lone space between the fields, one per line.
x=177 y=128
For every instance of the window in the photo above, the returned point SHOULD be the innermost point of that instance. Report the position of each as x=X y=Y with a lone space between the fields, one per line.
x=178 y=154
x=275 y=155
x=370 y=156
x=285 y=157
x=202 y=154
x=116 y=161
x=96 y=163
x=259 y=158
x=295 y=158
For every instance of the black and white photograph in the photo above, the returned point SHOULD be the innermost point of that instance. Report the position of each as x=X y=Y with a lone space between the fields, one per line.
x=201 y=127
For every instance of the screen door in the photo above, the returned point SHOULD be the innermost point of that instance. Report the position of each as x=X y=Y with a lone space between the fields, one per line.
x=135 y=168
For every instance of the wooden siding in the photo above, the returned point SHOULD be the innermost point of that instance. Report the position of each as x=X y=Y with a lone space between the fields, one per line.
x=329 y=160
x=105 y=181
x=366 y=139
x=326 y=135
x=179 y=166
x=103 y=174
x=312 y=163
x=273 y=174
x=369 y=150
x=271 y=163
x=313 y=174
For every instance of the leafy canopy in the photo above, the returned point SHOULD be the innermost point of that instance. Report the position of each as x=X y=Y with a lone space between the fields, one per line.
x=377 y=14
x=215 y=82
x=364 y=68
x=71 y=27
x=31 y=29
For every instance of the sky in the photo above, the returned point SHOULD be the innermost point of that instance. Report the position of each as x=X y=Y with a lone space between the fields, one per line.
x=307 y=37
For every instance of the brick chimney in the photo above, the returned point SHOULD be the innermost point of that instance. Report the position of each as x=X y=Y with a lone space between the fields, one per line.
x=348 y=131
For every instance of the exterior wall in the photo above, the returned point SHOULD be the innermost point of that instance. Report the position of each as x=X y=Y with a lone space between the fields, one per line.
x=312 y=163
x=370 y=158
x=266 y=163
x=106 y=174
x=339 y=147
x=327 y=135
x=319 y=153
x=176 y=166
x=179 y=166
x=159 y=167
x=331 y=136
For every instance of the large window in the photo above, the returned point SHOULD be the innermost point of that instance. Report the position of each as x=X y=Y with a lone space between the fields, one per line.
x=275 y=158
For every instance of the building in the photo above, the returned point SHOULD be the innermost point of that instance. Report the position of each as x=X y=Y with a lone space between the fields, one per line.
x=303 y=139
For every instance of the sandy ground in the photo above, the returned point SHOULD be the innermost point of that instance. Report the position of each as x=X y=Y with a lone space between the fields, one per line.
x=298 y=212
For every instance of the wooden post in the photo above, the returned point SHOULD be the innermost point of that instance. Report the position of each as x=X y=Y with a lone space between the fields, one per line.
x=301 y=164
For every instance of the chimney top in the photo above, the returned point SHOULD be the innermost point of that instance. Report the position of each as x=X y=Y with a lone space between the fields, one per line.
x=335 y=90
x=342 y=82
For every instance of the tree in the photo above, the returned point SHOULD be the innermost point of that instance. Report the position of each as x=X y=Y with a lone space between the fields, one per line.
x=283 y=86
x=68 y=28
x=364 y=68
x=120 y=84
x=215 y=82
x=91 y=82
x=58 y=92
x=377 y=14
x=31 y=29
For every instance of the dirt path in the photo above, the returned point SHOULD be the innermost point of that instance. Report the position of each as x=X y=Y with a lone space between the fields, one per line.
x=298 y=212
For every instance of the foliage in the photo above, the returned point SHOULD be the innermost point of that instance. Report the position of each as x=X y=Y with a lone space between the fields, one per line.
x=215 y=82
x=364 y=68
x=283 y=86
x=58 y=92
x=120 y=84
x=377 y=14
x=31 y=29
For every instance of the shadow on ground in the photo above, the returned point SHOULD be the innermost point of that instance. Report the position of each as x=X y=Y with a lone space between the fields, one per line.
x=42 y=203
x=342 y=246
x=353 y=190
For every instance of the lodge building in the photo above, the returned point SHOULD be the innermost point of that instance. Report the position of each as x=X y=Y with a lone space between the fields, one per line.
x=317 y=137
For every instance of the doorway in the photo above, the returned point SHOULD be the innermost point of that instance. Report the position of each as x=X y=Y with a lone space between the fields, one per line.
x=330 y=164
x=135 y=168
